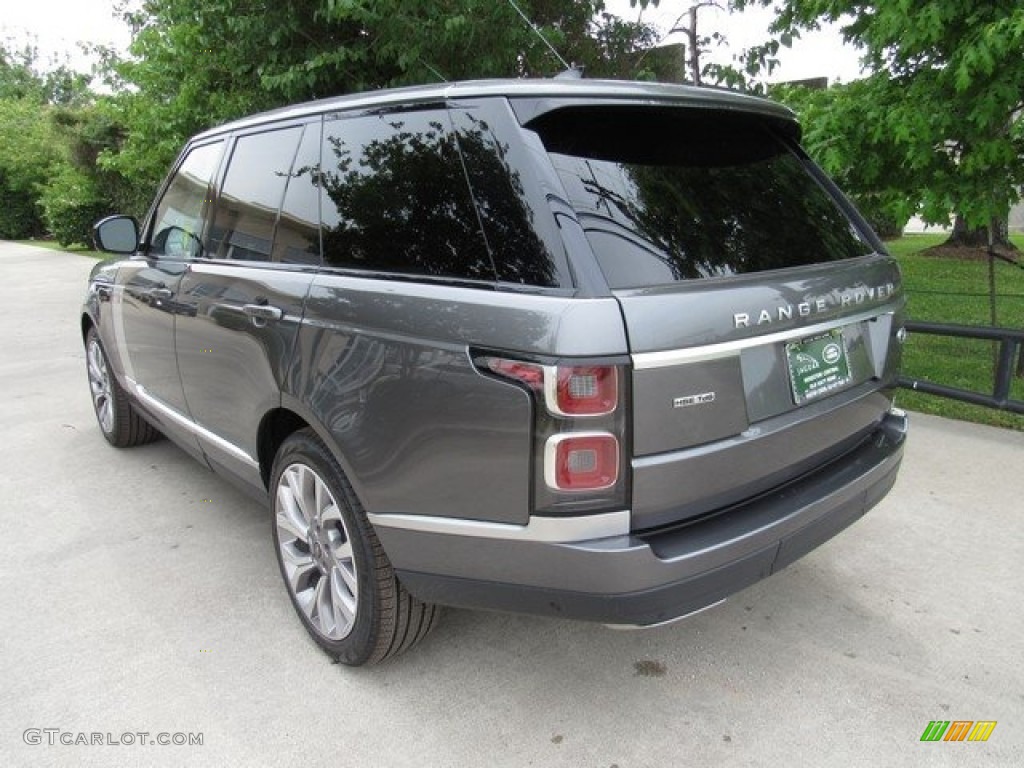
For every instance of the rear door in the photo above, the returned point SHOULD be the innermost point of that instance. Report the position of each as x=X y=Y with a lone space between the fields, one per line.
x=761 y=316
x=244 y=293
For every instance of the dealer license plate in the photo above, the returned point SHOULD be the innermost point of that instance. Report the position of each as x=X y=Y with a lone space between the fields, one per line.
x=818 y=365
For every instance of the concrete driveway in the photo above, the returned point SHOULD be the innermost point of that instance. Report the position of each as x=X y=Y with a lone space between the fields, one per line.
x=140 y=595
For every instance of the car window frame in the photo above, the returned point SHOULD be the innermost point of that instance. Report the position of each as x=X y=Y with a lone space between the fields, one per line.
x=441 y=111
x=305 y=122
x=146 y=242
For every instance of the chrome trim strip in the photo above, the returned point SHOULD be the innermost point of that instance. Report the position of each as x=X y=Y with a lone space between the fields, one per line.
x=667 y=623
x=117 y=310
x=648 y=360
x=551 y=530
x=186 y=423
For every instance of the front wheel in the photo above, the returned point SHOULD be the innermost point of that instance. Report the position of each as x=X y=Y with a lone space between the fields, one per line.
x=337 y=575
x=120 y=423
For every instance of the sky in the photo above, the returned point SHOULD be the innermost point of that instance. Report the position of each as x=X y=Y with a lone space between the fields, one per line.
x=816 y=54
x=56 y=26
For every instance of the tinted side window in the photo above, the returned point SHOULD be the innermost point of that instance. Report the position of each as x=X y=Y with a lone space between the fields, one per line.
x=179 y=218
x=673 y=194
x=510 y=221
x=395 y=198
x=297 y=240
x=251 y=195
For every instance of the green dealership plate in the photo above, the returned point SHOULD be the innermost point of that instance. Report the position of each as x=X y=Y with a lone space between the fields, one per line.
x=818 y=365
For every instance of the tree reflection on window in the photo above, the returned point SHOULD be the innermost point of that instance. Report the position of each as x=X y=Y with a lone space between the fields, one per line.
x=396 y=199
x=520 y=256
x=665 y=196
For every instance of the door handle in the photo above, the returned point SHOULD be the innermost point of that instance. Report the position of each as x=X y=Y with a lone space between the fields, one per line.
x=262 y=312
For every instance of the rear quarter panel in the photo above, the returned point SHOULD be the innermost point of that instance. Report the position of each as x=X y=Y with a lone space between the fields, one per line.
x=386 y=369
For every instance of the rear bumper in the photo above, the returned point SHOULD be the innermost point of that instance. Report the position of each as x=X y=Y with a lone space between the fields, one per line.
x=643 y=579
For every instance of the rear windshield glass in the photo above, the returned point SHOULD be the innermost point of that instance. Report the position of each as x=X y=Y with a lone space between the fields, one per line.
x=669 y=194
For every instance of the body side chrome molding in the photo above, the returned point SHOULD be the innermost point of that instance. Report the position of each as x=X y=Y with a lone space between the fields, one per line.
x=138 y=391
x=117 y=321
x=552 y=530
x=648 y=360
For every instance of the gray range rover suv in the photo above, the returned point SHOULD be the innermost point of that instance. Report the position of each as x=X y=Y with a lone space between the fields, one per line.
x=602 y=350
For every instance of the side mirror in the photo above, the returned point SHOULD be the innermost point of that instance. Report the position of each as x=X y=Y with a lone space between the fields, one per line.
x=116 y=234
x=176 y=243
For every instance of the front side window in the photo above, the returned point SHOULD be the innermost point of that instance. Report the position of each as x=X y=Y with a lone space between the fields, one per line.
x=395 y=198
x=666 y=195
x=179 y=218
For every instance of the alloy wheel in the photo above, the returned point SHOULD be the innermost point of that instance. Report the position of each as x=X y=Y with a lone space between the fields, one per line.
x=99 y=384
x=316 y=552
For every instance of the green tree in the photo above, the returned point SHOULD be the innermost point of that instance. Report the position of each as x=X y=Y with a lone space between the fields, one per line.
x=195 y=63
x=28 y=152
x=942 y=107
x=51 y=134
x=79 y=191
x=858 y=156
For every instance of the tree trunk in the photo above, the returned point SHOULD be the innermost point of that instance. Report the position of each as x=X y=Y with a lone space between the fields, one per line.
x=977 y=237
x=694 y=47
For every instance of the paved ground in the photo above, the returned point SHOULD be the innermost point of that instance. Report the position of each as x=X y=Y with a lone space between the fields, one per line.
x=141 y=594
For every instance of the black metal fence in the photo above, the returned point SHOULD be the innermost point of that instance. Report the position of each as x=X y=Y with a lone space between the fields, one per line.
x=1010 y=342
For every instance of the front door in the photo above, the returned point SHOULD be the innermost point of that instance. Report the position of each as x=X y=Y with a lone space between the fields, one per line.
x=147 y=301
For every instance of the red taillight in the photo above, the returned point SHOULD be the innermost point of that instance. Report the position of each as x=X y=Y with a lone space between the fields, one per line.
x=530 y=374
x=578 y=390
x=581 y=461
x=585 y=391
x=579 y=428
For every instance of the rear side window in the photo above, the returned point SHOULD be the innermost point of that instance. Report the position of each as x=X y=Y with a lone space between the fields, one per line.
x=253 y=188
x=297 y=239
x=512 y=221
x=666 y=194
x=395 y=198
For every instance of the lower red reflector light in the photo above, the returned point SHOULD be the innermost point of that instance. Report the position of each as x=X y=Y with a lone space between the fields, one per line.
x=581 y=462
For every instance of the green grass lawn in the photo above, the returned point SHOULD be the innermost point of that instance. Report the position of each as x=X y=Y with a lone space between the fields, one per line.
x=950 y=290
x=53 y=245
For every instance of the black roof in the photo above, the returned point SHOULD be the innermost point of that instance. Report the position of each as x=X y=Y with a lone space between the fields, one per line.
x=543 y=95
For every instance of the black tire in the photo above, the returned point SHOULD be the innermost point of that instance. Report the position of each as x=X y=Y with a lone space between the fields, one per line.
x=121 y=424
x=338 y=546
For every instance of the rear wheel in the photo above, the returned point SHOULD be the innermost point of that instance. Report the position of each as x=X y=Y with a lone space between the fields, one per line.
x=119 y=422
x=337 y=575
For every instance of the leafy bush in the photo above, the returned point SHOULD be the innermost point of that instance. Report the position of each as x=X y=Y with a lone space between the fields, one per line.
x=27 y=155
x=71 y=205
x=19 y=216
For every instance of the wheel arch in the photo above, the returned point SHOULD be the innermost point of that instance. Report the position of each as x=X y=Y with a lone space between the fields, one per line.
x=275 y=427
x=86 y=324
x=281 y=422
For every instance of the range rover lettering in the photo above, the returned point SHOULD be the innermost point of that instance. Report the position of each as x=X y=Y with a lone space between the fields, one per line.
x=598 y=350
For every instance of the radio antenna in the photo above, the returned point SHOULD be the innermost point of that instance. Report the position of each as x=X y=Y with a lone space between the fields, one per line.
x=436 y=74
x=537 y=32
